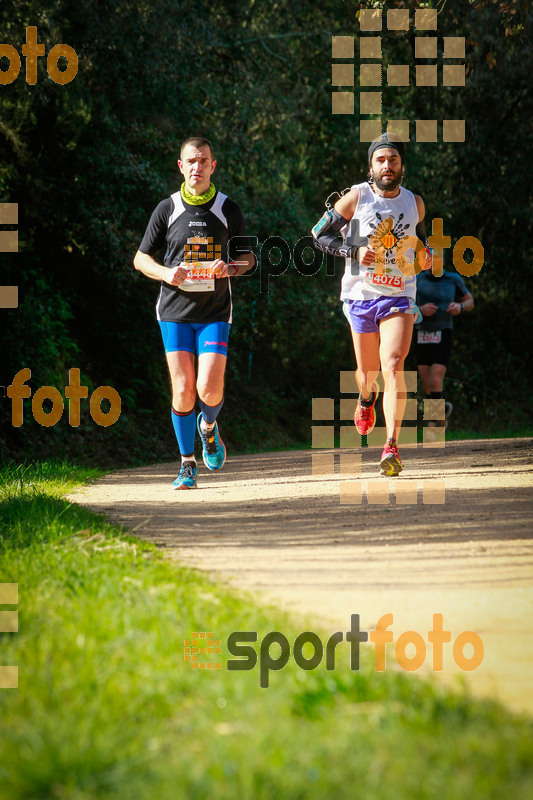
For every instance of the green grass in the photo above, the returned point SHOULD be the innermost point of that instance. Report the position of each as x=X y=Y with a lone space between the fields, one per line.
x=107 y=708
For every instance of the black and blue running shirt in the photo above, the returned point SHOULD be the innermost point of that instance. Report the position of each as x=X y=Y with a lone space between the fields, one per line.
x=201 y=233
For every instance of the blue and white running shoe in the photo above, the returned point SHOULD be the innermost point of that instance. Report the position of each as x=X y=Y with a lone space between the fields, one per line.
x=186 y=476
x=214 y=451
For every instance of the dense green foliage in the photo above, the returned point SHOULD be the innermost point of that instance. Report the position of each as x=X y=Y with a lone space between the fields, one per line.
x=107 y=708
x=88 y=161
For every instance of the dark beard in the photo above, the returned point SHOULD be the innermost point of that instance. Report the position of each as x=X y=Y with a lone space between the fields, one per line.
x=389 y=186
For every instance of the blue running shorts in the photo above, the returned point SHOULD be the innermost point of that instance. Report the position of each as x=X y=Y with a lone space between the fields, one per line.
x=210 y=337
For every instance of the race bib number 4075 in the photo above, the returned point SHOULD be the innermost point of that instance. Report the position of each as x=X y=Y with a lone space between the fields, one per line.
x=393 y=281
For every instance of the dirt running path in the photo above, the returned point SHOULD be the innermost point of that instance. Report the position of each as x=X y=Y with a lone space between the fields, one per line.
x=265 y=523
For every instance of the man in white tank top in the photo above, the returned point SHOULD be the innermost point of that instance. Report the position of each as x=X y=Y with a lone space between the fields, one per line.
x=382 y=229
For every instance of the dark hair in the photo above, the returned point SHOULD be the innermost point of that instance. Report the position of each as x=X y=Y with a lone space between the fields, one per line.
x=198 y=141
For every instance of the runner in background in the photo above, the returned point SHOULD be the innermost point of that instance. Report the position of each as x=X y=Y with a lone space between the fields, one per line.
x=439 y=299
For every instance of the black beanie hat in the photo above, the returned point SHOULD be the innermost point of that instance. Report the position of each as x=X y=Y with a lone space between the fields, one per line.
x=385 y=140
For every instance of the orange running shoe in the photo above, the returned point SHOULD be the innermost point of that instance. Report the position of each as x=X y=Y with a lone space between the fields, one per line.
x=365 y=415
x=390 y=459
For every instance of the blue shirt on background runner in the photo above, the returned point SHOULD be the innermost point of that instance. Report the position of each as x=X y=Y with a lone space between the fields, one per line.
x=449 y=288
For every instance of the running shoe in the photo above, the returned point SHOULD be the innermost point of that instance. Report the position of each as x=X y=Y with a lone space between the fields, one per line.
x=365 y=416
x=390 y=460
x=214 y=451
x=186 y=476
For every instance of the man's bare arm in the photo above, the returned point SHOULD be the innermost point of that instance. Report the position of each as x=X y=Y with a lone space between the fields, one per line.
x=421 y=225
x=466 y=303
x=174 y=276
x=425 y=261
x=347 y=204
x=243 y=263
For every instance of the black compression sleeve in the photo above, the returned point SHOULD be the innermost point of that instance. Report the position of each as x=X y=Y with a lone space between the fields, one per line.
x=327 y=236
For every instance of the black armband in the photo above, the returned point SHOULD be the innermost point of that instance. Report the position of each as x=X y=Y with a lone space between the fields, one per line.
x=326 y=235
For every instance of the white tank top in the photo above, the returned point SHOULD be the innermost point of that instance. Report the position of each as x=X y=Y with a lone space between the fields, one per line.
x=389 y=219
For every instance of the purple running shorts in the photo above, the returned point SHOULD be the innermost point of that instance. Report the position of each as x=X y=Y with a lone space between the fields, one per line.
x=364 y=315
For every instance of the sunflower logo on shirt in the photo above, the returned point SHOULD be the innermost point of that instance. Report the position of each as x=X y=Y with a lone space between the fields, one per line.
x=384 y=239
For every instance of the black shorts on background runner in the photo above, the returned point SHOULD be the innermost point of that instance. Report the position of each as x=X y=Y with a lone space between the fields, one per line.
x=433 y=353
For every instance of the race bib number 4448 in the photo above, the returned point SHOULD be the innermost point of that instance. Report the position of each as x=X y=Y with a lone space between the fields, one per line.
x=199 y=279
x=199 y=273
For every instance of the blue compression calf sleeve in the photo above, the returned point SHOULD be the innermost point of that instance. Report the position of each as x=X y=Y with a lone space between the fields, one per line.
x=210 y=413
x=185 y=430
